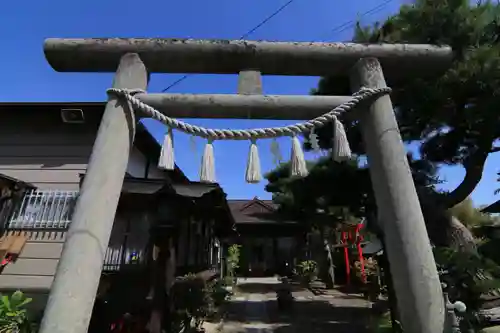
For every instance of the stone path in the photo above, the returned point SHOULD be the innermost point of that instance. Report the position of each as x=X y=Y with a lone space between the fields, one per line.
x=253 y=309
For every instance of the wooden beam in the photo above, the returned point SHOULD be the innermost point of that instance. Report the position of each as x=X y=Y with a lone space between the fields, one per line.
x=73 y=292
x=232 y=56
x=223 y=106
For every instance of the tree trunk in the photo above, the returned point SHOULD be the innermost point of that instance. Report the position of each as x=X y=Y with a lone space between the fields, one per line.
x=460 y=237
x=330 y=281
x=474 y=167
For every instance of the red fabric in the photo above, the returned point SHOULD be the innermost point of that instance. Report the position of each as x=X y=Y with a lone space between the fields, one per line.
x=6 y=261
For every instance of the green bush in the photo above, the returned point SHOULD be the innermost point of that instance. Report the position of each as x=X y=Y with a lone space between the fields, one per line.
x=14 y=315
x=307 y=271
x=218 y=293
x=194 y=300
x=233 y=261
x=461 y=275
x=191 y=301
x=383 y=324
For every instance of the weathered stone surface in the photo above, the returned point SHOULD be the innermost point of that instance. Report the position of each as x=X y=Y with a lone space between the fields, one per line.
x=233 y=56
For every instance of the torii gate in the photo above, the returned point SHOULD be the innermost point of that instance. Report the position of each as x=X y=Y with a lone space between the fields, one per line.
x=413 y=268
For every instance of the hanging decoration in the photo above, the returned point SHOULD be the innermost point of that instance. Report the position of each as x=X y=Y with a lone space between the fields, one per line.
x=340 y=151
x=192 y=144
x=166 y=161
x=207 y=172
x=253 y=174
x=276 y=152
x=314 y=141
x=340 y=148
x=297 y=161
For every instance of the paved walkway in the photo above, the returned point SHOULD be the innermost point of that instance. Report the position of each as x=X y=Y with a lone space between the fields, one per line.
x=253 y=309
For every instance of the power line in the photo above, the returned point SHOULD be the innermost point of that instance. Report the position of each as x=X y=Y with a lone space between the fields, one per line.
x=350 y=24
x=245 y=35
x=338 y=29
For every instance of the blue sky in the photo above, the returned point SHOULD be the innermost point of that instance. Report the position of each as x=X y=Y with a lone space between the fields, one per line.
x=26 y=76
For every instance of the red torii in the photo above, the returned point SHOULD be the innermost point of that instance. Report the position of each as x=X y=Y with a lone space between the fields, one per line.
x=354 y=237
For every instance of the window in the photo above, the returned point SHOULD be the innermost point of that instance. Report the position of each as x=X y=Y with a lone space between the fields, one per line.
x=44 y=209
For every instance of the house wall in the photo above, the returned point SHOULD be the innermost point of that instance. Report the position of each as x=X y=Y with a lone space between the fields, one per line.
x=34 y=270
x=38 y=148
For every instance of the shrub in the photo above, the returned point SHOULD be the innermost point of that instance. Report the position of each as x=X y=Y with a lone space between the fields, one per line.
x=307 y=271
x=191 y=301
x=461 y=270
x=233 y=261
x=218 y=293
x=194 y=300
x=13 y=314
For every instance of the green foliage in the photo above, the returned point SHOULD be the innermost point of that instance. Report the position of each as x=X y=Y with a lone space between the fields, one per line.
x=370 y=267
x=233 y=260
x=218 y=293
x=471 y=216
x=490 y=249
x=307 y=271
x=453 y=114
x=191 y=300
x=461 y=272
x=195 y=300
x=383 y=324
x=14 y=315
x=333 y=192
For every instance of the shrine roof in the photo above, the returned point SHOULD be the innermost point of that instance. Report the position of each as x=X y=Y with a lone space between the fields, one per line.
x=255 y=211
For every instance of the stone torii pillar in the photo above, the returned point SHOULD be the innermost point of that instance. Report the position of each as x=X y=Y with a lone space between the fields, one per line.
x=75 y=285
x=412 y=264
x=407 y=244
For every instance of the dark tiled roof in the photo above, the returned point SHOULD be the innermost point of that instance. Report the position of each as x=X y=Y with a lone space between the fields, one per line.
x=254 y=211
x=493 y=208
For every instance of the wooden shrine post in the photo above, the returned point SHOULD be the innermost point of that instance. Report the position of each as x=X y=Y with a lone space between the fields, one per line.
x=73 y=291
x=413 y=269
x=412 y=264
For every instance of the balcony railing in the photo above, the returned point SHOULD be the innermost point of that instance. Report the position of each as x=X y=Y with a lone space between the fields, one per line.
x=44 y=209
x=117 y=258
x=48 y=210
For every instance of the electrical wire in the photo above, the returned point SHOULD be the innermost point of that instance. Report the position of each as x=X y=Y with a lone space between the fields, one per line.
x=245 y=35
x=337 y=30
x=350 y=24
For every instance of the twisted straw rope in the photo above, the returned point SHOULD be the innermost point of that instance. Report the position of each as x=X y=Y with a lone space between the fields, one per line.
x=257 y=133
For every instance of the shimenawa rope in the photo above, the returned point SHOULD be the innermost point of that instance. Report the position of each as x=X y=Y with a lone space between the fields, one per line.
x=340 y=151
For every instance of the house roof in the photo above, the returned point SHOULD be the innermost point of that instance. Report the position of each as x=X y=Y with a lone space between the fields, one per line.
x=144 y=141
x=493 y=208
x=255 y=211
x=14 y=183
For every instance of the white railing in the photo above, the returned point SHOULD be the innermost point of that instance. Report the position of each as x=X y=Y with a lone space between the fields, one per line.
x=116 y=257
x=44 y=209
